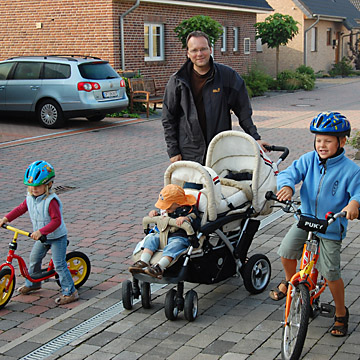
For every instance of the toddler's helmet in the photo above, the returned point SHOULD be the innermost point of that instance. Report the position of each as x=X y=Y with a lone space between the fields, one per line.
x=330 y=123
x=38 y=173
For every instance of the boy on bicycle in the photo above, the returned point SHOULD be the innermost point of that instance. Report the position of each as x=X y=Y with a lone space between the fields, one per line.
x=330 y=182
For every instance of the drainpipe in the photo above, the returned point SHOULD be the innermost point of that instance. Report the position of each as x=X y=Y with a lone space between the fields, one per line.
x=317 y=20
x=122 y=32
x=342 y=43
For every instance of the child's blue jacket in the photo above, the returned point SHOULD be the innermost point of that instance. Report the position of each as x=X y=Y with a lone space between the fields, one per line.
x=326 y=187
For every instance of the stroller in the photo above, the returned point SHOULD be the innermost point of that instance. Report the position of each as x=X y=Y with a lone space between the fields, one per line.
x=230 y=192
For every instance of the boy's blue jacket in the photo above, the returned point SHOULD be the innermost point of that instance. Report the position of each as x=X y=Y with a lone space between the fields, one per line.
x=326 y=187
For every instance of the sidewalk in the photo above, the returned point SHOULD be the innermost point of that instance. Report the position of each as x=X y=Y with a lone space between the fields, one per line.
x=114 y=175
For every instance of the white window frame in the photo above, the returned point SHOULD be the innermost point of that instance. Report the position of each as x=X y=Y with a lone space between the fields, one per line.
x=247 y=44
x=259 y=45
x=223 y=39
x=236 y=38
x=314 y=39
x=152 y=56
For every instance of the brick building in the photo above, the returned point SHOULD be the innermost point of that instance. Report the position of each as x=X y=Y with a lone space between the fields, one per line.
x=32 y=27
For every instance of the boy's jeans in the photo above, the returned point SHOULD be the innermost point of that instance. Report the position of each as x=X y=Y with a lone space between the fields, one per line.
x=58 y=250
x=176 y=245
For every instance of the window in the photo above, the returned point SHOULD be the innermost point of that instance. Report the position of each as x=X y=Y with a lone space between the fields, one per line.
x=314 y=39
x=154 y=42
x=258 y=45
x=223 y=39
x=247 y=46
x=27 y=70
x=236 y=38
x=56 y=71
x=97 y=70
x=328 y=37
x=5 y=69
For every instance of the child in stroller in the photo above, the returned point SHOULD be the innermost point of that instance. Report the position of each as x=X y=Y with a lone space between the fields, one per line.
x=233 y=185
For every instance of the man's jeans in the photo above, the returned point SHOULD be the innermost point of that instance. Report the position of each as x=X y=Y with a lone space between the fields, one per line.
x=58 y=250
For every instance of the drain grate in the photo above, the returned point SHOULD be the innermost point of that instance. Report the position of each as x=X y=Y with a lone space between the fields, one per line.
x=80 y=330
x=62 y=189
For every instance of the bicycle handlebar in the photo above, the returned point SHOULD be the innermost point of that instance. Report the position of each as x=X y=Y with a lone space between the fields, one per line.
x=43 y=238
x=284 y=149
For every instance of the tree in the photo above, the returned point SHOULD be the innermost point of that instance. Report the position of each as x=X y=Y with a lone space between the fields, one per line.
x=199 y=23
x=276 y=30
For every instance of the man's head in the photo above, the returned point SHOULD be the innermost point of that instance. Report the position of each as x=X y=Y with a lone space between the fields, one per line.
x=173 y=194
x=199 y=51
x=330 y=129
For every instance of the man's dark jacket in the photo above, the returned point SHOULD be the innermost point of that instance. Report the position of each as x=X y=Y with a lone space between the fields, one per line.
x=225 y=90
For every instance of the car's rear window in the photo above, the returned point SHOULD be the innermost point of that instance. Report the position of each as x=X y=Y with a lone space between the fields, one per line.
x=97 y=71
x=56 y=71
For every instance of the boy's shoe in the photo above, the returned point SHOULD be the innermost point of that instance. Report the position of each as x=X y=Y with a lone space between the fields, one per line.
x=24 y=290
x=138 y=267
x=155 y=271
x=67 y=299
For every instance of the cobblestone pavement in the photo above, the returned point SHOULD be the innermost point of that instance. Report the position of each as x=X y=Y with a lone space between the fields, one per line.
x=109 y=179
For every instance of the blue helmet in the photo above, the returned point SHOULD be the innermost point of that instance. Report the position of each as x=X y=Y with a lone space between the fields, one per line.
x=330 y=123
x=38 y=173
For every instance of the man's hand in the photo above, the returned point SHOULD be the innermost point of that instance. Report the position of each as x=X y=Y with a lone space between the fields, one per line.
x=262 y=143
x=176 y=158
x=285 y=193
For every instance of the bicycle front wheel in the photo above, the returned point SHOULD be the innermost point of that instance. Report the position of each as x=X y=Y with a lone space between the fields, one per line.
x=294 y=331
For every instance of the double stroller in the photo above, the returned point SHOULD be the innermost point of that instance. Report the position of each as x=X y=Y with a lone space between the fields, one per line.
x=230 y=191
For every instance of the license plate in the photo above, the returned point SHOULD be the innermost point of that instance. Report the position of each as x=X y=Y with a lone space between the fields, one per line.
x=110 y=94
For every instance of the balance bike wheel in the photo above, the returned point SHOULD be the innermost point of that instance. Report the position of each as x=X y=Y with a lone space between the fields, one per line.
x=5 y=296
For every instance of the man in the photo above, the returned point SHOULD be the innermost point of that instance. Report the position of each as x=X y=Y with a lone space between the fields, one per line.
x=197 y=103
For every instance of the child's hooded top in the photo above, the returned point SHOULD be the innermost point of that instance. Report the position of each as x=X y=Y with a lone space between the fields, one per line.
x=327 y=186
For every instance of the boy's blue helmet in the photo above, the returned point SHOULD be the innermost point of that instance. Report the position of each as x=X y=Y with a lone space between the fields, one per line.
x=38 y=173
x=330 y=123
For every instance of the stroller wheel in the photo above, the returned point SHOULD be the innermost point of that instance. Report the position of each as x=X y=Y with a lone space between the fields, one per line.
x=171 y=309
x=146 y=295
x=256 y=274
x=191 y=305
x=127 y=295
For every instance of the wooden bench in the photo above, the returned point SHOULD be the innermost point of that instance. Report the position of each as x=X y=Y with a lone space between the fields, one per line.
x=143 y=90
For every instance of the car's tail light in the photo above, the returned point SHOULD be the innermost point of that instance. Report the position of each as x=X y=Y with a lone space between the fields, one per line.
x=88 y=86
x=122 y=83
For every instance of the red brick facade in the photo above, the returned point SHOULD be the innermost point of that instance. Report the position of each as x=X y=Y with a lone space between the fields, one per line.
x=33 y=27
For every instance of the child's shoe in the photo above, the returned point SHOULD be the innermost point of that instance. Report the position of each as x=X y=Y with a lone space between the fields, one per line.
x=24 y=290
x=155 y=271
x=138 y=267
x=67 y=299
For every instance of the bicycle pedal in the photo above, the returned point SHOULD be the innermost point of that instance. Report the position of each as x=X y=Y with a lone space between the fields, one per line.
x=327 y=310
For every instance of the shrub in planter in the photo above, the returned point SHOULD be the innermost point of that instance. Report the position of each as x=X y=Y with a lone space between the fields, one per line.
x=257 y=82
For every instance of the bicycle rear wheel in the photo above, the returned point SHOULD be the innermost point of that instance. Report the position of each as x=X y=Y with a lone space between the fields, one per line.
x=294 y=331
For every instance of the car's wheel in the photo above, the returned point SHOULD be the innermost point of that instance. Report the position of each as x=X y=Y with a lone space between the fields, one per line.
x=96 y=117
x=49 y=114
x=256 y=274
x=191 y=305
x=171 y=309
x=127 y=295
x=5 y=296
x=146 y=295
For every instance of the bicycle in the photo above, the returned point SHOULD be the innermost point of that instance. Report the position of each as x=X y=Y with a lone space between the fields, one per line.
x=304 y=289
x=78 y=264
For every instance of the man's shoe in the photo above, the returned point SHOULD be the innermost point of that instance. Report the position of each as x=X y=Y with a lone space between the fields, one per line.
x=67 y=299
x=138 y=267
x=24 y=290
x=155 y=271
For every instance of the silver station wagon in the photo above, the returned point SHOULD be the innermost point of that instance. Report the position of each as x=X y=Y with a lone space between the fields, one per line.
x=56 y=88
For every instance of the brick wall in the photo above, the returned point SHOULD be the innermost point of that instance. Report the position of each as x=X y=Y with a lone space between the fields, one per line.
x=92 y=28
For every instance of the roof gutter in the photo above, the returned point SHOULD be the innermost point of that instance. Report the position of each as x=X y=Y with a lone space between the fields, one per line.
x=122 y=32
x=305 y=35
x=212 y=6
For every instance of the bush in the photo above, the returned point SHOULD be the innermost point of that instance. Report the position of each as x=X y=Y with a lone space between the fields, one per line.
x=342 y=68
x=257 y=82
x=302 y=69
x=294 y=80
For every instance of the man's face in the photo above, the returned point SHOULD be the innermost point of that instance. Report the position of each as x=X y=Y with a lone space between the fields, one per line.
x=199 y=52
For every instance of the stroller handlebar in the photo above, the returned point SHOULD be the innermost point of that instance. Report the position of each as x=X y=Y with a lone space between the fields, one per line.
x=285 y=150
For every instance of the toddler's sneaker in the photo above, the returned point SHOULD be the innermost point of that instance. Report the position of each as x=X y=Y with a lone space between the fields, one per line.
x=24 y=290
x=138 y=267
x=155 y=271
x=67 y=299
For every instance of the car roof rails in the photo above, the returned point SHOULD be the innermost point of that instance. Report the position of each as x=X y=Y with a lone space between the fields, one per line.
x=76 y=56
